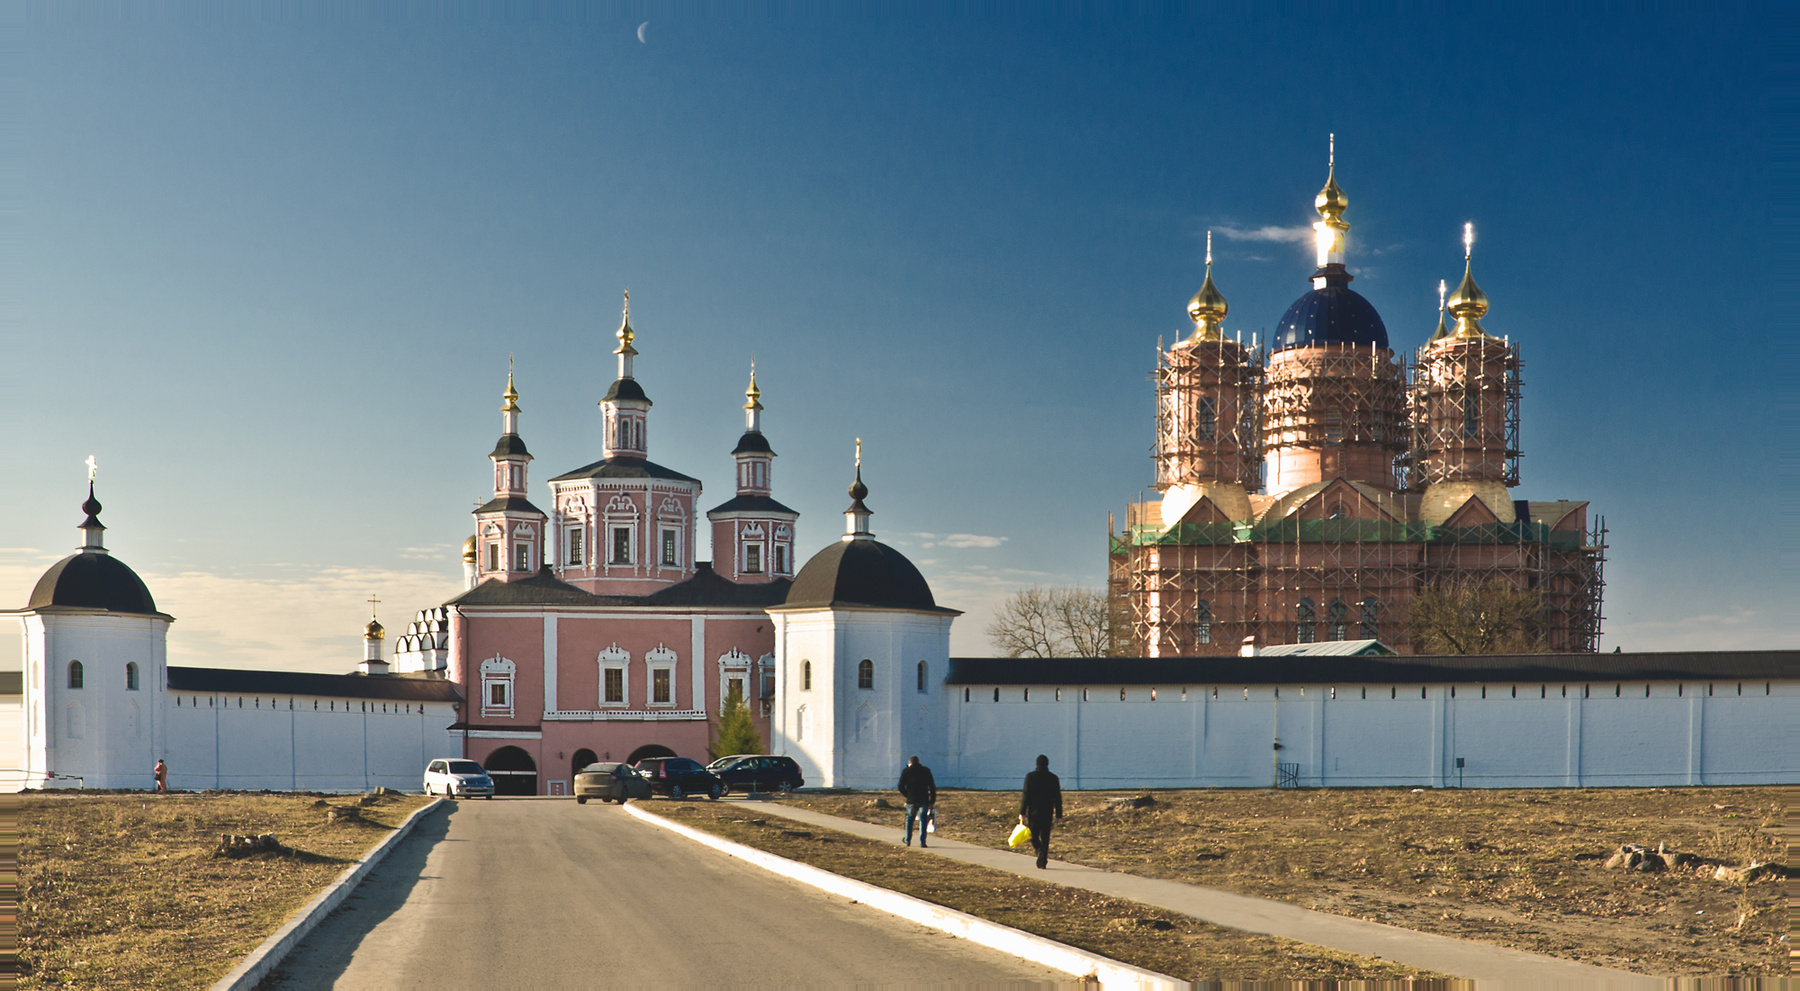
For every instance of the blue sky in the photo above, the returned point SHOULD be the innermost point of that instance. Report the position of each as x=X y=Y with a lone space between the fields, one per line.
x=270 y=261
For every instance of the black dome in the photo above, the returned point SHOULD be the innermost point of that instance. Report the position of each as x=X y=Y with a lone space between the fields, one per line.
x=1332 y=315
x=861 y=573
x=752 y=442
x=625 y=389
x=92 y=581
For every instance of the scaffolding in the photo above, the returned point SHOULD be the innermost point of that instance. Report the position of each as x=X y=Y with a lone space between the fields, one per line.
x=1346 y=562
x=1464 y=409
x=1207 y=400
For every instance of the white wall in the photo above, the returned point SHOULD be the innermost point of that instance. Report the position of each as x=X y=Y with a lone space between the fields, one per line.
x=101 y=732
x=1375 y=735
x=301 y=743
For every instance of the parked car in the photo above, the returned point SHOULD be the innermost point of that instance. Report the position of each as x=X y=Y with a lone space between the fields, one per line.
x=610 y=782
x=454 y=777
x=758 y=772
x=679 y=777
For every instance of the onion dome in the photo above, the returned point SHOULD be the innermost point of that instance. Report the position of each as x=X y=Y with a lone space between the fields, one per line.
x=1208 y=307
x=1331 y=201
x=511 y=395
x=92 y=578
x=1335 y=314
x=374 y=631
x=625 y=334
x=1468 y=303
x=468 y=553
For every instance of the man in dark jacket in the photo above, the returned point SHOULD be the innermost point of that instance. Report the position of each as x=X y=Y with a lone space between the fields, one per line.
x=1042 y=800
x=920 y=791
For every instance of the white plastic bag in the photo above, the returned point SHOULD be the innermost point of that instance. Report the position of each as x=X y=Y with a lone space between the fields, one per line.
x=931 y=820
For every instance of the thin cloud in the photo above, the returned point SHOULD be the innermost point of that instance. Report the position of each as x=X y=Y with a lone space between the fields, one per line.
x=1270 y=232
x=959 y=540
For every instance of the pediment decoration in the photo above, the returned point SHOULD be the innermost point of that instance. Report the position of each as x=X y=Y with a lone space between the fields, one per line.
x=497 y=665
x=1339 y=495
x=615 y=655
x=621 y=505
x=660 y=655
x=1473 y=512
x=671 y=508
x=734 y=658
x=753 y=530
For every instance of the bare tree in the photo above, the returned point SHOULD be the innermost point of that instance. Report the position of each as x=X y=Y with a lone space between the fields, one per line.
x=1060 y=621
x=1467 y=616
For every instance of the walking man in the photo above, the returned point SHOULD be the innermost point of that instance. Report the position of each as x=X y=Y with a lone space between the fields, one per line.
x=162 y=776
x=920 y=791
x=1042 y=800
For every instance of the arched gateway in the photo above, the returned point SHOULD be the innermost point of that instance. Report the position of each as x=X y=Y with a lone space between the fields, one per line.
x=513 y=771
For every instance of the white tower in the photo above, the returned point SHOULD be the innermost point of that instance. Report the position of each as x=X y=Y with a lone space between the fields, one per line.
x=95 y=670
x=861 y=649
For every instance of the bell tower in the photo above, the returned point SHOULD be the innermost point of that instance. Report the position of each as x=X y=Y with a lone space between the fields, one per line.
x=752 y=534
x=509 y=530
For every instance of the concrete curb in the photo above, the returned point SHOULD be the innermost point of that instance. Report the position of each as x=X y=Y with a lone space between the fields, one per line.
x=253 y=968
x=1046 y=952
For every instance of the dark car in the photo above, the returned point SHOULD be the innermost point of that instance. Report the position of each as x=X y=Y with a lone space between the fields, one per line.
x=758 y=772
x=679 y=777
x=609 y=782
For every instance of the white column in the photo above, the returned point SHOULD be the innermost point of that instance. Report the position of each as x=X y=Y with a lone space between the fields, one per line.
x=549 y=663
x=699 y=662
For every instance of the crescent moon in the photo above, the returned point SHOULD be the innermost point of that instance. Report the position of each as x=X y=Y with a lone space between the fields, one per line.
x=641 y=29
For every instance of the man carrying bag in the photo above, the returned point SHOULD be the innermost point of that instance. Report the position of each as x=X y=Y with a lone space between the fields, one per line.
x=920 y=791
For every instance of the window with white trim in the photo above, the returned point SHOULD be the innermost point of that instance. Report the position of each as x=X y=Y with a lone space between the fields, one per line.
x=497 y=675
x=494 y=556
x=752 y=559
x=615 y=669
x=661 y=662
x=621 y=545
x=521 y=557
x=572 y=546
x=671 y=548
x=781 y=559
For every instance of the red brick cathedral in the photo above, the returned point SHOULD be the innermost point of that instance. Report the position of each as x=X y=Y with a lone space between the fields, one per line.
x=1313 y=484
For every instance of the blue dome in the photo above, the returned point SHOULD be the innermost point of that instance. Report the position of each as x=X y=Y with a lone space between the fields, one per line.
x=1332 y=315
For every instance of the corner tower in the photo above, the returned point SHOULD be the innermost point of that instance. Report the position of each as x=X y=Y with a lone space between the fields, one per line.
x=95 y=670
x=1334 y=405
x=752 y=534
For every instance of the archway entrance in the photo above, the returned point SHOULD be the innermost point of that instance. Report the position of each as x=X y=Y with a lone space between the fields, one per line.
x=582 y=759
x=513 y=771
x=649 y=750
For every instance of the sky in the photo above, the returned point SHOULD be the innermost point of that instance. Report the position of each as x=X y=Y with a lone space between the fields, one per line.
x=267 y=264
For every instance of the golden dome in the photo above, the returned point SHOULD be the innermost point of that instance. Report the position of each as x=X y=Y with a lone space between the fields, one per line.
x=1208 y=307
x=1468 y=303
x=1331 y=201
x=753 y=395
x=469 y=549
x=511 y=395
x=625 y=334
x=374 y=631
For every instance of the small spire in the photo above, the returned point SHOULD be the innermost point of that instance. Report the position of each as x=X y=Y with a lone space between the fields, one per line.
x=1468 y=303
x=1208 y=307
x=1330 y=231
x=1443 y=330
x=374 y=630
x=753 y=395
x=511 y=395
x=857 y=516
x=625 y=334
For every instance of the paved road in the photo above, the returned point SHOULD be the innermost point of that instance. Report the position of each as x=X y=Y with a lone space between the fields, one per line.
x=532 y=893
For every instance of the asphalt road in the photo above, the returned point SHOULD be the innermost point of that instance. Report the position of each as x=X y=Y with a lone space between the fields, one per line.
x=535 y=893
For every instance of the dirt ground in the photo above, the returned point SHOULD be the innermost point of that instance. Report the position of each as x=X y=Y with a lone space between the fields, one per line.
x=1520 y=868
x=123 y=890
x=1157 y=939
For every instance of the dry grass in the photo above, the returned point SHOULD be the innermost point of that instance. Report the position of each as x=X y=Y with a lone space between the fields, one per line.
x=1160 y=940
x=122 y=890
x=1520 y=868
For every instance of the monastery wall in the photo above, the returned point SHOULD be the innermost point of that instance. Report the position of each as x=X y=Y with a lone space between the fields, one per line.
x=1547 y=735
x=301 y=743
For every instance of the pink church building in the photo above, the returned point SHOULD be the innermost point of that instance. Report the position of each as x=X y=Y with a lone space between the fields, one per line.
x=594 y=630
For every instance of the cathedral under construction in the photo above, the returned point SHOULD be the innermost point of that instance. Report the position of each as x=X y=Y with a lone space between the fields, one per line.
x=1314 y=483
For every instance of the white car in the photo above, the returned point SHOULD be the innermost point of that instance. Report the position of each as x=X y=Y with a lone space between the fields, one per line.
x=454 y=777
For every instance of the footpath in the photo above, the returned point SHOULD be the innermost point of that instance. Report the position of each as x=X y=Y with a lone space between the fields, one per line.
x=1487 y=965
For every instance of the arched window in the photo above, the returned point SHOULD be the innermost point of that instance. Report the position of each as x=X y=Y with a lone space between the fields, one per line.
x=1203 y=623
x=1371 y=619
x=1206 y=422
x=922 y=669
x=865 y=673
x=806 y=676
x=1471 y=417
x=131 y=677
x=75 y=678
x=1334 y=619
x=1304 y=629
